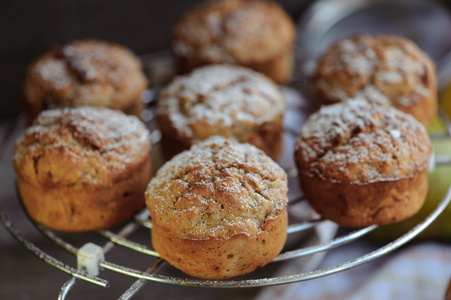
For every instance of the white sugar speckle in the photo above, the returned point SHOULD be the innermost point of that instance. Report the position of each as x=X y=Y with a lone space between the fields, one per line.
x=391 y=77
x=395 y=133
x=358 y=63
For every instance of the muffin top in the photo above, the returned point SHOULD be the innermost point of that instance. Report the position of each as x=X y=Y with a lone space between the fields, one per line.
x=232 y=31
x=220 y=100
x=217 y=189
x=86 y=72
x=392 y=65
x=83 y=145
x=358 y=141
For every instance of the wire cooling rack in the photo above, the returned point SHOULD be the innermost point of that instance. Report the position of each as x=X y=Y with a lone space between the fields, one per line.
x=124 y=237
x=142 y=220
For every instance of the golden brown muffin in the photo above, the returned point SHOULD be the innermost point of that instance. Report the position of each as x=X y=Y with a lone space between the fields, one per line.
x=84 y=168
x=87 y=72
x=391 y=66
x=255 y=34
x=361 y=163
x=225 y=100
x=448 y=291
x=218 y=209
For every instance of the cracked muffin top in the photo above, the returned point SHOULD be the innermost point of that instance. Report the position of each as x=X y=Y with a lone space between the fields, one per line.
x=83 y=145
x=360 y=142
x=222 y=100
x=231 y=31
x=86 y=72
x=391 y=66
x=217 y=189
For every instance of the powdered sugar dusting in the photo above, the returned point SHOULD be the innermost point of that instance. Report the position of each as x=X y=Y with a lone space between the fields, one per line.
x=391 y=77
x=359 y=64
x=398 y=59
x=86 y=72
x=348 y=46
x=372 y=94
x=421 y=90
x=218 y=188
x=392 y=65
x=220 y=96
x=233 y=31
x=55 y=72
x=359 y=141
x=115 y=138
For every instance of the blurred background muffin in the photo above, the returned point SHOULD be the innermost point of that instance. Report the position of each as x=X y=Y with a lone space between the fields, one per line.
x=87 y=72
x=255 y=34
x=390 y=66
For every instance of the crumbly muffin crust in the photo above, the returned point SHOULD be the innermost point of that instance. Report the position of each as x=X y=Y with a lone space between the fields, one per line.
x=362 y=142
x=77 y=168
x=391 y=66
x=102 y=141
x=86 y=72
x=362 y=163
x=223 y=200
x=248 y=33
x=225 y=100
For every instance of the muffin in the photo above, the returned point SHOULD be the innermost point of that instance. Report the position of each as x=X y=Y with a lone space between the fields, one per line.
x=389 y=65
x=254 y=34
x=84 y=168
x=87 y=72
x=361 y=163
x=226 y=100
x=218 y=209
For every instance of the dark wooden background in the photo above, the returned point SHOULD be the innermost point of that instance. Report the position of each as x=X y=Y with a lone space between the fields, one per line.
x=28 y=28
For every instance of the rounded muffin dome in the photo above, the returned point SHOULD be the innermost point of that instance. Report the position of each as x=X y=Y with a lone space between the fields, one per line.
x=254 y=34
x=362 y=163
x=227 y=100
x=89 y=144
x=86 y=72
x=359 y=141
x=389 y=67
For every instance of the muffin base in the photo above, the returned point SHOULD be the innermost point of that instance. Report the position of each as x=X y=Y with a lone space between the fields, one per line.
x=80 y=207
x=220 y=258
x=135 y=108
x=424 y=109
x=266 y=136
x=365 y=204
x=279 y=68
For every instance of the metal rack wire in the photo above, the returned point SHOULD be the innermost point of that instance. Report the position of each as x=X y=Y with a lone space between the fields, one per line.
x=142 y=220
